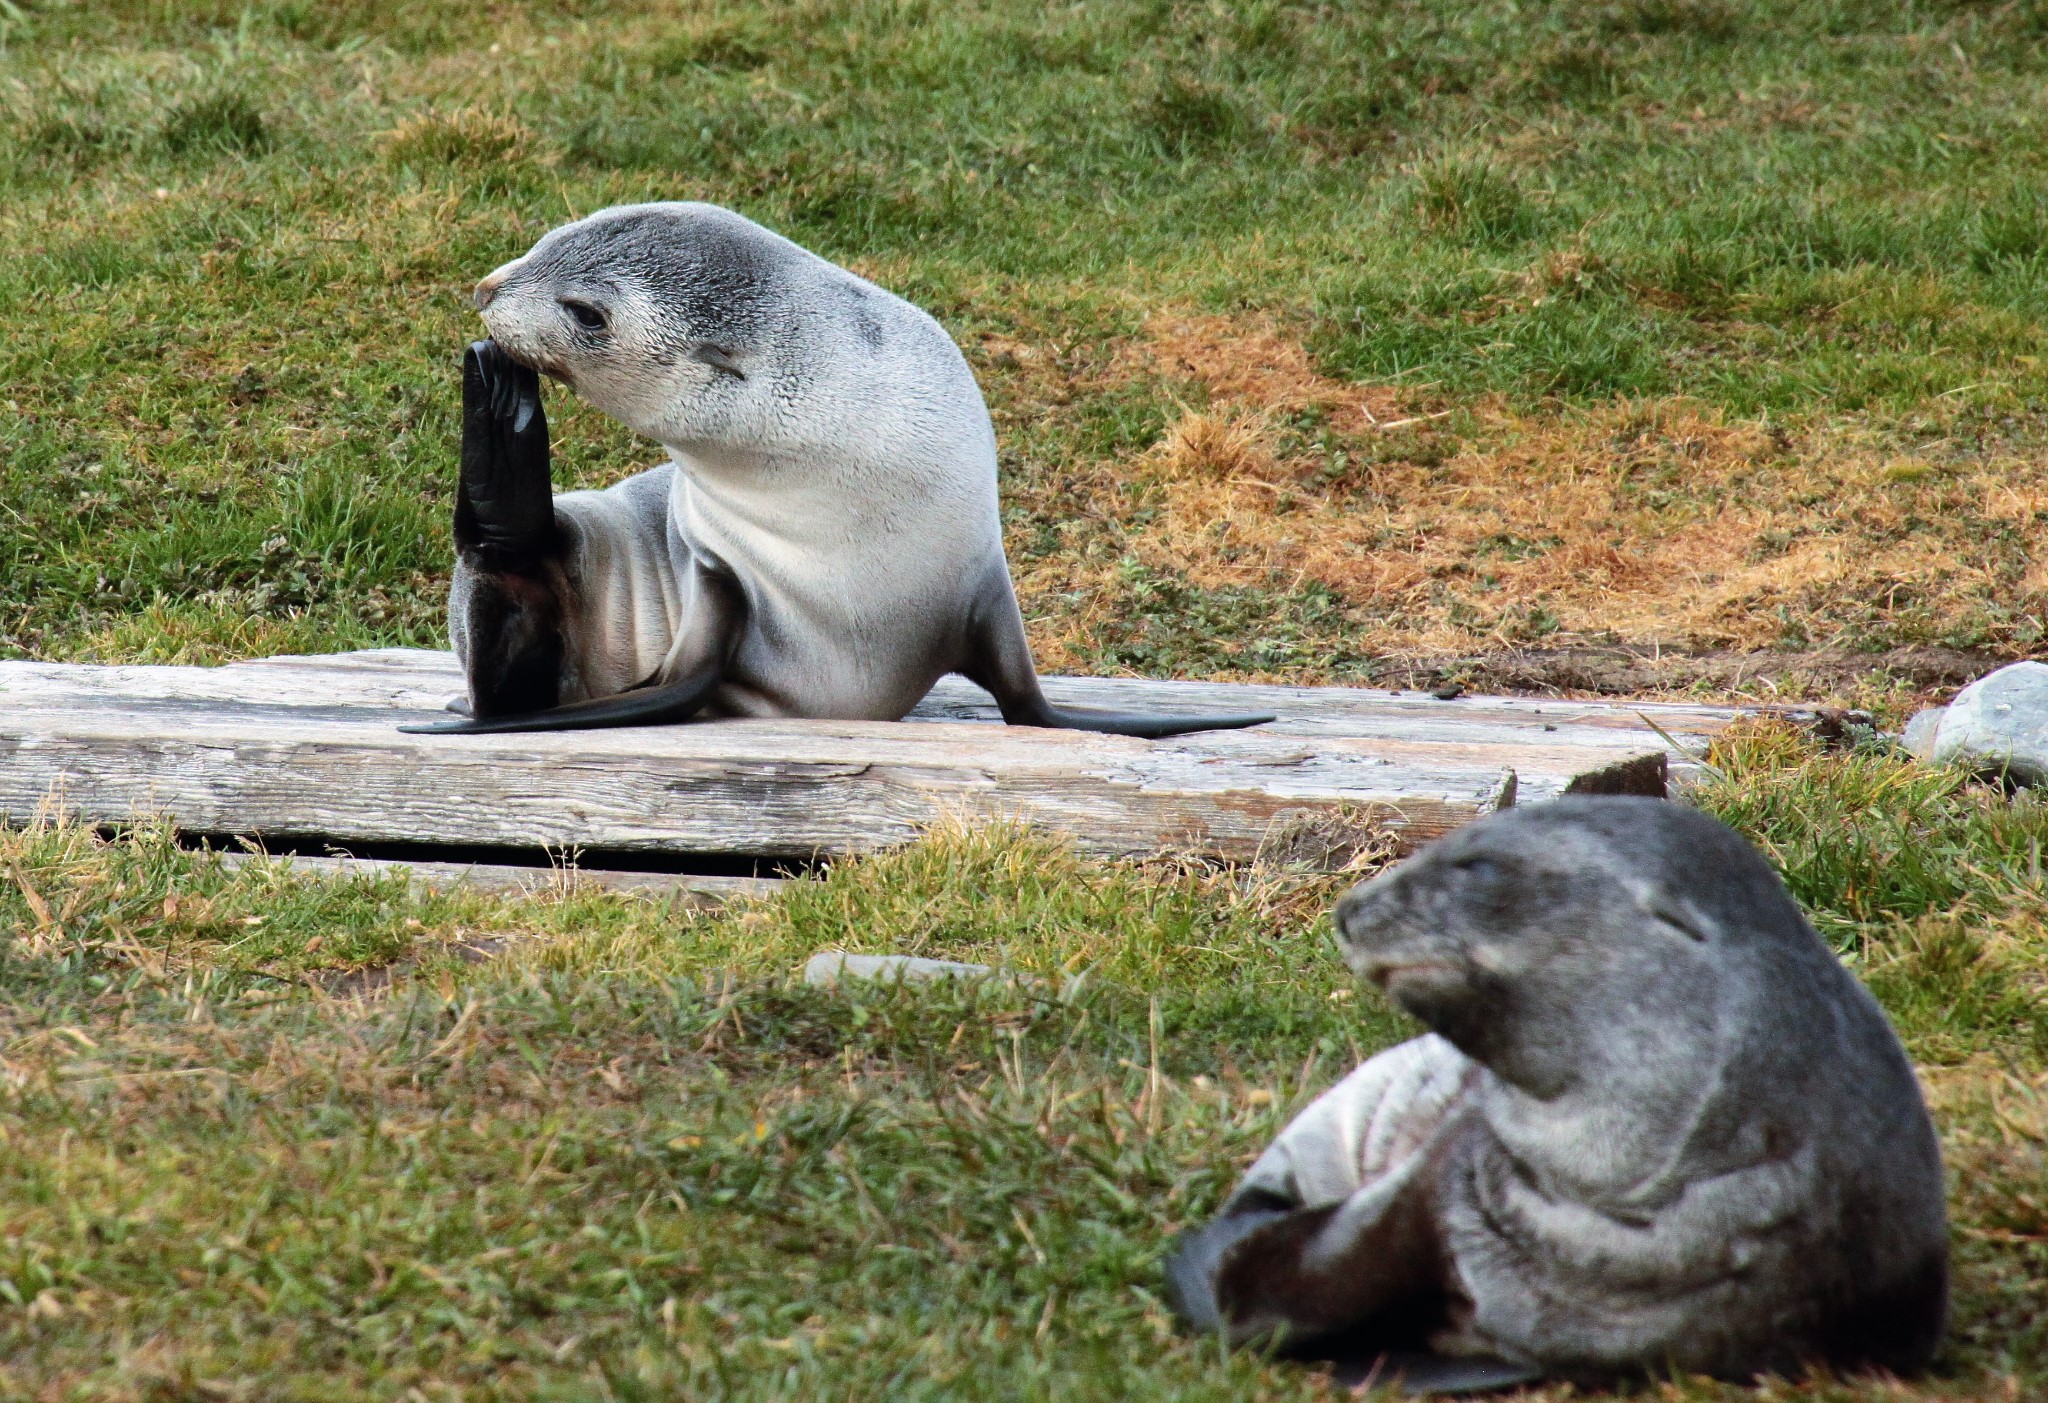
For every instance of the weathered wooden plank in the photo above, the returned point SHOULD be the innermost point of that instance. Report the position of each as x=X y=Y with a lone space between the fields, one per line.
x=293 y=747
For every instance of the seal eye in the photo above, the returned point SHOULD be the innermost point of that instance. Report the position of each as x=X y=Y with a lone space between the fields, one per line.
x=587 y=316
x=1483 y=869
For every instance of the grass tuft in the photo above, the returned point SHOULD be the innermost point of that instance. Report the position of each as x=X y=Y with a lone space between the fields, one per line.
x=492 y=147
x=1189 y=114
x=717 y=44
x=224 y=123
x=1475 y=201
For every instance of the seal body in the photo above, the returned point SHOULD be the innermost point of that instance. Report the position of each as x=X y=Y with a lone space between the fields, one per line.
x=1657 y=1127
x=831 y=459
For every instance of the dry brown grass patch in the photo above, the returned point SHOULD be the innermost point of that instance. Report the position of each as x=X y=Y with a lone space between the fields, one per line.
x=1662 y=522
x=1254 y=365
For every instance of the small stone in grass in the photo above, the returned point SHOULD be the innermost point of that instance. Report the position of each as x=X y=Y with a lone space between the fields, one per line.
x=1920 y=732
x=828 y=967
x=1999 y=724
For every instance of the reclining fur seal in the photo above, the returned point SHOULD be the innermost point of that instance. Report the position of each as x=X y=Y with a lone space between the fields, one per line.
x=825 y=541
x=1657 y=1127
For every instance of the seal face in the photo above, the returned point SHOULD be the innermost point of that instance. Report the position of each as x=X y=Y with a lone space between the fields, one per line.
x=825 y=540
x=1657 y=1126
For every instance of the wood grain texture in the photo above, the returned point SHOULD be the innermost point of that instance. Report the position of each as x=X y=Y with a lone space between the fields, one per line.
x=290 y=748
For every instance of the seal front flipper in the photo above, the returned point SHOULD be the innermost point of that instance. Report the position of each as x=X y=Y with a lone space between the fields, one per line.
x=1197 y=1256
x=505 y=509
x=999 y=662
x=720 y=624
x=507 y=604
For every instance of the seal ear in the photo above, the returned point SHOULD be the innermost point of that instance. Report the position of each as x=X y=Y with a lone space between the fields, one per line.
x=1669 y=908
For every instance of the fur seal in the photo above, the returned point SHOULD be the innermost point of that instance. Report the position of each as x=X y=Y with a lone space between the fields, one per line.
x=1657 y=1127
x=825 y=541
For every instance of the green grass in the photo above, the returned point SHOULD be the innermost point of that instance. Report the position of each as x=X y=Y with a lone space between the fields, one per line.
x=237 y=238
x=630 y=1156
x=1772 y=278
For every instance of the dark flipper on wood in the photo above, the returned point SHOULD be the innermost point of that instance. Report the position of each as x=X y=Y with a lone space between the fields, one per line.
x=720 y=622
x=1123 y=723
x=999 y=661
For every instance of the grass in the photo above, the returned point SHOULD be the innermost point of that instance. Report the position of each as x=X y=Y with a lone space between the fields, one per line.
x=1711 y=325
x=600 y=1147
x=1324 y=342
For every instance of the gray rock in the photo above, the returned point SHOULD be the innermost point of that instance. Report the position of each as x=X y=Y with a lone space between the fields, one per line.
x=1920 y=732
x=828 y=967
x=1999 y=722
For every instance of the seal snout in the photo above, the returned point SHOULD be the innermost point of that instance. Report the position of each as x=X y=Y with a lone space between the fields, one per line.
x=1366 y=918
x=487 y=290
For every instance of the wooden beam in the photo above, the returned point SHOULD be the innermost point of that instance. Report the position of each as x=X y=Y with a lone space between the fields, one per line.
x=308 y=748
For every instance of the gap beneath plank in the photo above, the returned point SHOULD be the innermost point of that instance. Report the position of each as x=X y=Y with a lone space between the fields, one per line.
x=523 y=880
x=652 y=862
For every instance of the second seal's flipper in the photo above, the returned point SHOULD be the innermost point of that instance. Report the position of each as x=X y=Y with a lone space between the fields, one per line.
x=1420 y=1374
x=1197 y=1257
x=999 y=662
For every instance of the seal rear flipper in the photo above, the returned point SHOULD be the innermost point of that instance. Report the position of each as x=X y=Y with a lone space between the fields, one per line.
x=998 y=660
x=1126 y=723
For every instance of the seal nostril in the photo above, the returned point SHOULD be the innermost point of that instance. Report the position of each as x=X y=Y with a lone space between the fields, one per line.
x=485 y=292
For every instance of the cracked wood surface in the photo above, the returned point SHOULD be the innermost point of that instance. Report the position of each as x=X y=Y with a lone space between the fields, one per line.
x=307 y=747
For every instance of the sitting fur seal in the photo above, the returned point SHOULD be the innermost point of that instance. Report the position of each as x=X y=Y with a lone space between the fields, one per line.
x=825 y=542
x=1658 y=1127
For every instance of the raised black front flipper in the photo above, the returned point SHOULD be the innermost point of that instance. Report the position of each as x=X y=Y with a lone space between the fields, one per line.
x=506 y=610
x=998 y=659
x=505 y=508
x=715 y=631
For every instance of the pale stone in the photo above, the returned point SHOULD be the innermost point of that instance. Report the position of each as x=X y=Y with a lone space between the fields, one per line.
x=1921 y=730
x=1999 y=723
x=828 y=967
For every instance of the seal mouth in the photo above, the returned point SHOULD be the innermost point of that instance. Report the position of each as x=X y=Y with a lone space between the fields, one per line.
x=1387 y=974
x=541 y=364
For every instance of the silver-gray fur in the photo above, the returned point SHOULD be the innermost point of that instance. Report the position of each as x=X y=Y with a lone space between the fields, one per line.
x=831 y=456
x=1657 y=1127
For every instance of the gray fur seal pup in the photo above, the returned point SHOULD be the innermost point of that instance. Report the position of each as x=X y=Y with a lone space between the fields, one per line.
x=1657 y=1127
x=825 y=541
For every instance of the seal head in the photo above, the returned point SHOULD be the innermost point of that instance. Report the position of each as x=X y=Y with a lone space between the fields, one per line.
x=653 y=313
